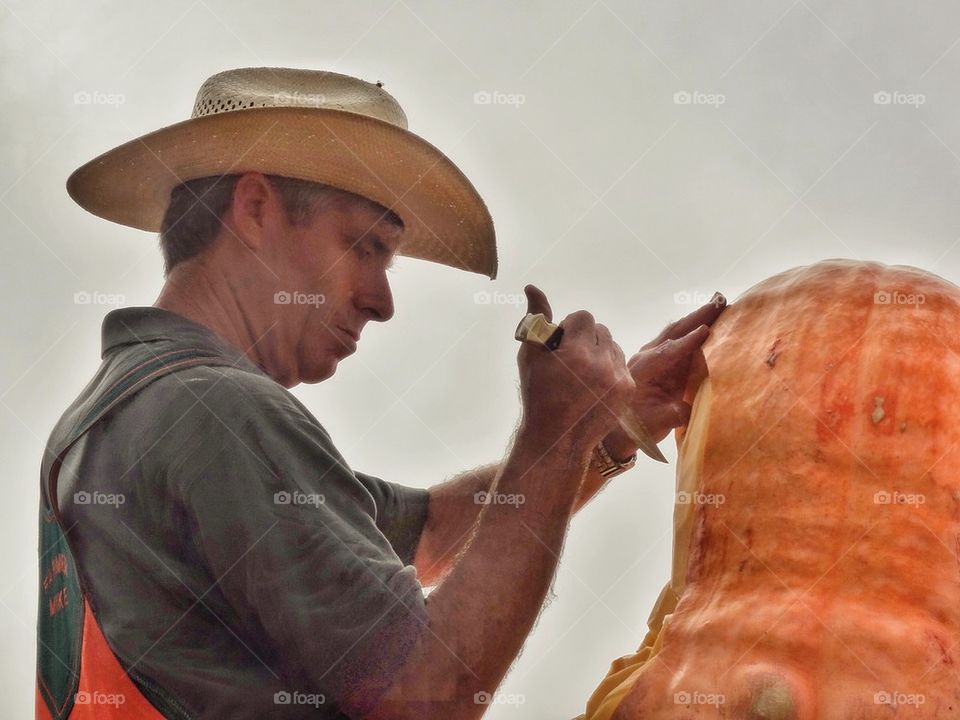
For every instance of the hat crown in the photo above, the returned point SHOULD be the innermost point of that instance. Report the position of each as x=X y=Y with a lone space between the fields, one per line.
x=249 y=88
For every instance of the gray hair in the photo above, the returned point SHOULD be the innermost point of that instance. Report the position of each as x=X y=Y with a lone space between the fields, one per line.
x=193 y=217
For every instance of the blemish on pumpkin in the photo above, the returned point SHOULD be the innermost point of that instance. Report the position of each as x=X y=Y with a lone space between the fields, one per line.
x=903 y=426
x=945 y=656
x=771 y=697
x=878 y=413
x=772 y=353
x=835 y=410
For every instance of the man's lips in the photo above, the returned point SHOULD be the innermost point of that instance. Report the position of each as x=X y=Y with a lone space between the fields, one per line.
x=350 y=339
x=351 y=333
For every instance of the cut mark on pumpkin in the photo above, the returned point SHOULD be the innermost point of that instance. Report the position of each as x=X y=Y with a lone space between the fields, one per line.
x=878 y=413
x=945 y=656
x=772 y=353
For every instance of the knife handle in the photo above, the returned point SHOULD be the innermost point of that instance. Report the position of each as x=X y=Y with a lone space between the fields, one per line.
x=537 y=330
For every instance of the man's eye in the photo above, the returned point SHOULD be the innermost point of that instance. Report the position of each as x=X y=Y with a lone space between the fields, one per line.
x=361 y=248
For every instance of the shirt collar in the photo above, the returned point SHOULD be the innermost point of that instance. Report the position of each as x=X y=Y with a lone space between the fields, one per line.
x=125 y=326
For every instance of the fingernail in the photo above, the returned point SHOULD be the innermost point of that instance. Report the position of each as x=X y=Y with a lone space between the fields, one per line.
x=718 y=299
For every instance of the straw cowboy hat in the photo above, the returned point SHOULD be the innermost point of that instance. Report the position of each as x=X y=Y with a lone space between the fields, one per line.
x=307 y=124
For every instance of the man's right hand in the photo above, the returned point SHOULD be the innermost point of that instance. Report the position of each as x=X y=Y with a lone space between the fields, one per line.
x=581 y=388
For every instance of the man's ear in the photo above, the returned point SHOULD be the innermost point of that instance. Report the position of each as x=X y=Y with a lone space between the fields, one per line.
x=253 y=215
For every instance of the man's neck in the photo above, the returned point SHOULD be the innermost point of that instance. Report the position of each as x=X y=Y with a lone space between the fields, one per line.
x=203 y=296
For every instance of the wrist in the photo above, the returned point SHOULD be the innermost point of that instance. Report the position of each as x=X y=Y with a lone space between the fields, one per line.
x=556 y=436
x=606 y=465
x=544 y=454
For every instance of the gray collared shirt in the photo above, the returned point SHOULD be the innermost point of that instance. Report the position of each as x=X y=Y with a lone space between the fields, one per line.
x=248 y=572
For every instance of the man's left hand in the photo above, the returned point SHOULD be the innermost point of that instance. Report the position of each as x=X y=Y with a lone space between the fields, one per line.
x=661 y=369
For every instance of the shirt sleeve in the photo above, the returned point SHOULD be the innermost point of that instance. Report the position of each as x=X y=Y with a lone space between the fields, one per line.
x=298 y=547
x=401 y=513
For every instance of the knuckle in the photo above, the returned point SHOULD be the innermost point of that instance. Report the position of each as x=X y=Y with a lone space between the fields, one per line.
x=581 y=316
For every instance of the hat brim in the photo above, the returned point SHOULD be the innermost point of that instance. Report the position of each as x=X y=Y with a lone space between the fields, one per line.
x=445 y=219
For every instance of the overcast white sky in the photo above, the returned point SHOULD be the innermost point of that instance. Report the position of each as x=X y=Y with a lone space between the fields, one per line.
x=607 y=189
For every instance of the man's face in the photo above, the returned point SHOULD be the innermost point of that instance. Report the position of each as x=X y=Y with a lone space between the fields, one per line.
x=336 y=268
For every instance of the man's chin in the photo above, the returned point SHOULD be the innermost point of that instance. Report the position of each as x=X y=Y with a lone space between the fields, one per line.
x=319 y=373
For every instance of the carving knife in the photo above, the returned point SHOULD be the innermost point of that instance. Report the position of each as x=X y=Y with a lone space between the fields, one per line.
x=537 y=330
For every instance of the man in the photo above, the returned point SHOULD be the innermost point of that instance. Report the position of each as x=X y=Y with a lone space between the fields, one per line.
x=206 y=552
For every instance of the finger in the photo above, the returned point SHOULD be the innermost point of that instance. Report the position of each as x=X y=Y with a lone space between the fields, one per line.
x=537 y=302
x=605 y=339
x=618 y=355
x=580 y=322
x=603 y=335
x=690 y=342
x=704 y=315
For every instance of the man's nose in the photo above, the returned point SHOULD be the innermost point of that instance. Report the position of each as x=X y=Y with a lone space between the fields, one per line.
x=377 y=300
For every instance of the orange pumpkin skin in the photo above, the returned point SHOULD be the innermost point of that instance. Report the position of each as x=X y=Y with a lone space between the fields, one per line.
x=826 y=584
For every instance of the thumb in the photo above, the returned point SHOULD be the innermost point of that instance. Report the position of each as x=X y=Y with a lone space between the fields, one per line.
x=537 y=302
x=682 y=411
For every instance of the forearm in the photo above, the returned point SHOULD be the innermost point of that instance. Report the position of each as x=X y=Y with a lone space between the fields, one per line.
x=482 y=612
x=455 y=506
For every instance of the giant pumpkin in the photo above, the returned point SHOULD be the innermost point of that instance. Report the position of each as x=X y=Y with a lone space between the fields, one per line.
x=816 y=556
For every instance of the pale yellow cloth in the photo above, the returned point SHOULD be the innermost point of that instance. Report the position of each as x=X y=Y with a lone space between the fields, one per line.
x=625 y=670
